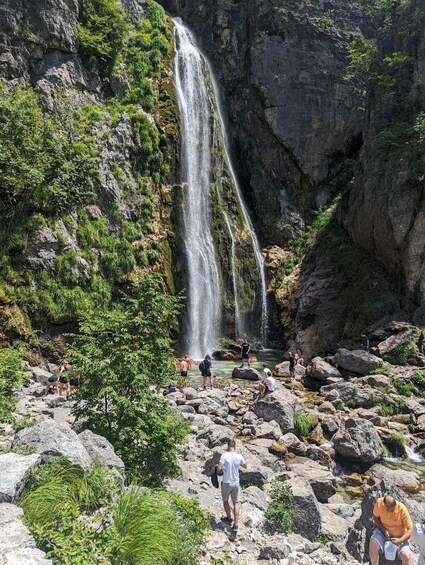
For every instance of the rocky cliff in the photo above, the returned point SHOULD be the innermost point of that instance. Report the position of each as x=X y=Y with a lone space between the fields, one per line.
x=324 y=103
x=89 y=136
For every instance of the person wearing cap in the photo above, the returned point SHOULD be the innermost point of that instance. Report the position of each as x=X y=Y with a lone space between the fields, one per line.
x=393 y=530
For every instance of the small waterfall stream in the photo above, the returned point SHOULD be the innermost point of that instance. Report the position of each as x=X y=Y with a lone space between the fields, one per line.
x=203 y=135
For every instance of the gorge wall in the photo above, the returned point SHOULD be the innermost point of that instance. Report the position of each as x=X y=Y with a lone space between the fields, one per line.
x=325 y=109
x=312 y=129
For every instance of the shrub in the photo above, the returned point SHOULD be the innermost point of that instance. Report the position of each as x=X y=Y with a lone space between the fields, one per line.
x=302 y=424
x=392 y=409
x=101 y=30
x=383 y=370
x=323 y=539
x=281 y=512
x=418 y=379
x=395 y=443
x=403 y=388
x=11 y=379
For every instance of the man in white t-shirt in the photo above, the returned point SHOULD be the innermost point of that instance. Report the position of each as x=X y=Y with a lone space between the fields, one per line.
x=269 y=383
x=230 y=463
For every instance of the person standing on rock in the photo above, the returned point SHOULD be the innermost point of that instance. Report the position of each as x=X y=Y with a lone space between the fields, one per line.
x=393 y=524
x=245 y=349
x=291 y=366
x=365 y=342
x=230 y=463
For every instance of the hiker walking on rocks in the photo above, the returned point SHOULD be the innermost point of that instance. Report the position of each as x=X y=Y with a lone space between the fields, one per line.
x=230 y=463
x=245 y=349
x=393 y=530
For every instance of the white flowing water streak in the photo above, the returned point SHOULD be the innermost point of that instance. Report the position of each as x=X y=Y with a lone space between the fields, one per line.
x=413 y=455
x=204 y=298
x=259 y=259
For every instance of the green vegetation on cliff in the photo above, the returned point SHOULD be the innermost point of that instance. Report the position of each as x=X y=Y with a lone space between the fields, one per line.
x=80 y=184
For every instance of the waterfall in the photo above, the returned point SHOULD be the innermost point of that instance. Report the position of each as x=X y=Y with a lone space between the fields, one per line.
x=202 y=131
x=203 y=316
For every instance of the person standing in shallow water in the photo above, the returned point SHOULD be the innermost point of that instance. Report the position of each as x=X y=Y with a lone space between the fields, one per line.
x=184 y=368
x=245 y=349
x=206 y=371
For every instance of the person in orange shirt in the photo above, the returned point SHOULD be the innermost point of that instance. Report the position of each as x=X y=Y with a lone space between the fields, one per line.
x=393 y=523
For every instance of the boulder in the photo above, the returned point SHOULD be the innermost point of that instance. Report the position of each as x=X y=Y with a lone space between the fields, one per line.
x=357 y=361
x=16 y=543
x=359 y=535
x=330 y=426
x=393 y=342
x=375 y=380
x=320 y=370
x=51 y=439
x=246 y=373
x=320 y=479
x=256 y=497
x=268 y=430
x=358 y=441
x=282 y=370
x=40 y=375
x=408 y=481
x=317 y=454
x=293 y=444
x=257 y=475
x=275 y=547
x=101 y=451
x=190 y=393
x=333 y=525
x=307 y=522
x=327 y=408
x=15 y=470
x=278 y=406
x=216 y=435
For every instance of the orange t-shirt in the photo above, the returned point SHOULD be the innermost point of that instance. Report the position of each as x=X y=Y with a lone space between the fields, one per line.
x=397 y=522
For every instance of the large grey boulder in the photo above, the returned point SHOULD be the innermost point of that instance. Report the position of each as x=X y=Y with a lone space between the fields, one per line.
x=51 y=439
x=278 y=406
x=216 y=435
x=320 y=479
x=101 y=451
x=358 y=441
x=246 y=373
x=359 y=535
x=394 y=341
x=276 y=547
x=334 y=526
x=293 y=444
x=15 y=470
x=307 y=521
x=321 y=370
x=256 y=497
x=40 y=375
x=357 y=361
x=282 y=369
x=257 y=475
x=408 y=481
x=16 y=543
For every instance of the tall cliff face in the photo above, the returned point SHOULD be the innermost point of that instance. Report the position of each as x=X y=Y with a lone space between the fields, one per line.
x=89 y=145
x=308 y=132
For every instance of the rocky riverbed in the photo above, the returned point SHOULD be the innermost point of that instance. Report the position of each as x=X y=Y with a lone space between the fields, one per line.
x=361 y=433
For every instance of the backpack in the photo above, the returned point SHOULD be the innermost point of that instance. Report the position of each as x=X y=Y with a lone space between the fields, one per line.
x=201 y=366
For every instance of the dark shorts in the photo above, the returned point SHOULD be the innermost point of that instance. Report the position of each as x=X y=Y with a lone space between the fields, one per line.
x=74 y=382
x=207 y=374
x=53 y=379
x=183 y=373
x=63 y=380
x=245 y=356
x=267 y=390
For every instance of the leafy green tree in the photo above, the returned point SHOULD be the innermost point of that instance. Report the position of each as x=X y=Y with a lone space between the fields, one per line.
x=11 y=377
x=119 y=353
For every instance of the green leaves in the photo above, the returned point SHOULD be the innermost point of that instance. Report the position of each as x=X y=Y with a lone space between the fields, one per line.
x=11 y=378
x=281 y=512
x=119 y=352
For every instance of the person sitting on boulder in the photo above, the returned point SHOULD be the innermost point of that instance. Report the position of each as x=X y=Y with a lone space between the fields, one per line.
x=393 y=526
x=169 y=389
x=269 y=383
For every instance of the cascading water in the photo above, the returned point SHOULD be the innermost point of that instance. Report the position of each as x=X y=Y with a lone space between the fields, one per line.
x=202 y=132
x=203 y=316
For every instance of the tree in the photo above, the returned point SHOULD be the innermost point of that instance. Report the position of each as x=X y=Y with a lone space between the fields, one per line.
x=118 y=353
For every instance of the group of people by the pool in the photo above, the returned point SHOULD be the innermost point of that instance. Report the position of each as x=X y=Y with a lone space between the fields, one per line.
x=266 y=386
